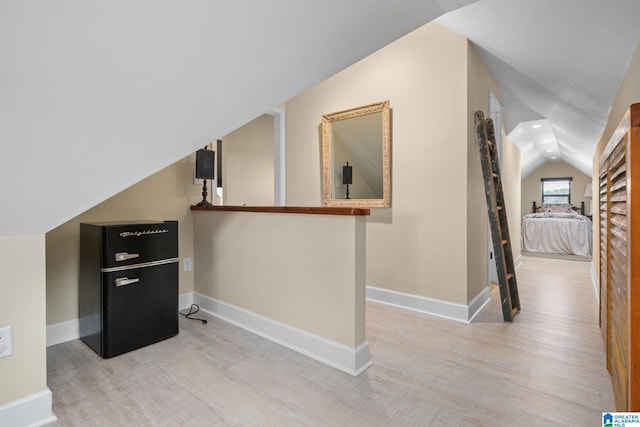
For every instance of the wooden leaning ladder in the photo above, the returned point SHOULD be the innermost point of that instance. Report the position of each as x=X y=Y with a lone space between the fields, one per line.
x=503 y=254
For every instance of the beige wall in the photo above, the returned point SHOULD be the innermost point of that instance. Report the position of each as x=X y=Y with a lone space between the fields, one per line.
x=306 y=271
x=480 y=84
x=511 y=186
x=22 y=306
x=417 y=246
x=532 y=189
x=432 y=242
x=628 y=94
x=166 y=195
x=248 y=175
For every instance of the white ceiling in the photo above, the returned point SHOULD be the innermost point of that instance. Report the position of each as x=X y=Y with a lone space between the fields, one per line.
x=559 y=64
x=98 y=95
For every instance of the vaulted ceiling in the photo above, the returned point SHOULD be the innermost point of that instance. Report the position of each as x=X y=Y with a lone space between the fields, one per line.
x=559 y=65
x=96 y=96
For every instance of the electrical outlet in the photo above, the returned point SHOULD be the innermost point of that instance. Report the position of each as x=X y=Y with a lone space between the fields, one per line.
x=188 y=264
x=6 y=342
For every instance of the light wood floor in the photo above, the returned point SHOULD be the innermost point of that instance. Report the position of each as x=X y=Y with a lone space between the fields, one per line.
x=547 y=368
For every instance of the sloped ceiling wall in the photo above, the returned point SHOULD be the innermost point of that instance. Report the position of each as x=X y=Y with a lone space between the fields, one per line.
x=95 y=96
x=558 y=63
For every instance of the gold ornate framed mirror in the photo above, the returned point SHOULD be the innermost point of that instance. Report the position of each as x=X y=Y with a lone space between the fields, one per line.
x=356 y=157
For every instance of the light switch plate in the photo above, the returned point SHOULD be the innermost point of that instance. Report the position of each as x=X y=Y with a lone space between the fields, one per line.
x=6 y=341
x=188 y=264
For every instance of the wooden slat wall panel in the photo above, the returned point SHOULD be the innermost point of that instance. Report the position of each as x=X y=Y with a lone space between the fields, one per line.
x=618 y=171
x=620 y=208
x=619 y=233
x=633 y=253
x=619 y=221
x=618 y=156
x=604 y=301
x=619 y=372
x=619 y=277
x=620 y=196
x=619 y=248
x=619 y=184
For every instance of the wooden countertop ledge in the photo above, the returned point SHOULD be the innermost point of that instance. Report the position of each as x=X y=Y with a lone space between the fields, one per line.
x=311 y=210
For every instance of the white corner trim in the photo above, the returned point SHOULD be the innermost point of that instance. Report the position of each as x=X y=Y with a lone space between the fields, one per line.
x=596 y=282
x=69 y=330
x=58 y=333
x=185 y=300
x=33 y=410
x=478 y=303
x=353 y=361
x=518 y=262
x=449 y=310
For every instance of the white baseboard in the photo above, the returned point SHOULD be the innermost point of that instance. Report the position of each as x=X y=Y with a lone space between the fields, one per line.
x=478 y=303
x=449 y=310
x=185 y=300
x=58 y=333
x=518 y=262
x=63 y=332
x=596 y=282
x=350 y=360
x=33 y=410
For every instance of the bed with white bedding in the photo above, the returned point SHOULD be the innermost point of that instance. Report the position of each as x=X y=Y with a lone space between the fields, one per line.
x=563 y=233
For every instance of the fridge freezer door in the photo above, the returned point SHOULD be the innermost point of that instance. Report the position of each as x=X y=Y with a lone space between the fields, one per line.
x=140 y=307
x=139 y=243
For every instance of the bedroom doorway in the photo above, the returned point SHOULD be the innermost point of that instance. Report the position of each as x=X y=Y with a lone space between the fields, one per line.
x=495 y=112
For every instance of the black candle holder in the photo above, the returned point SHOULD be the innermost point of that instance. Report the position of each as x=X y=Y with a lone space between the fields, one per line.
x=347 y=177
x=205 y=167
x=204 y=201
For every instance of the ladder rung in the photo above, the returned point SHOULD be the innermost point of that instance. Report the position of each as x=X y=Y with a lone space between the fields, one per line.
x=514 y=311
x=509 y=276
x=493 y=174
x=499 y=208
x=504 y=242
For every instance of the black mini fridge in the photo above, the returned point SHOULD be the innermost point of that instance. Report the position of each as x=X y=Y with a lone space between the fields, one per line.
x=128 y=291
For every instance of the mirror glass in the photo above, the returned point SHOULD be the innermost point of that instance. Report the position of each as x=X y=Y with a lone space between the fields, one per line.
x=356 y=157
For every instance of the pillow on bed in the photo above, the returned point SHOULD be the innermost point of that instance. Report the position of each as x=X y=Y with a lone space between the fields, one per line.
x=561 y=207
x=571 y=215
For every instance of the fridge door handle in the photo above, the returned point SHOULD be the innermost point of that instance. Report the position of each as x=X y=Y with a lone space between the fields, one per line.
x=123 y=256
x=123 y=281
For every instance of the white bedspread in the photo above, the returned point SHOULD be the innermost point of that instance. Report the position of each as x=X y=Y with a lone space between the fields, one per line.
x=569 y=234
